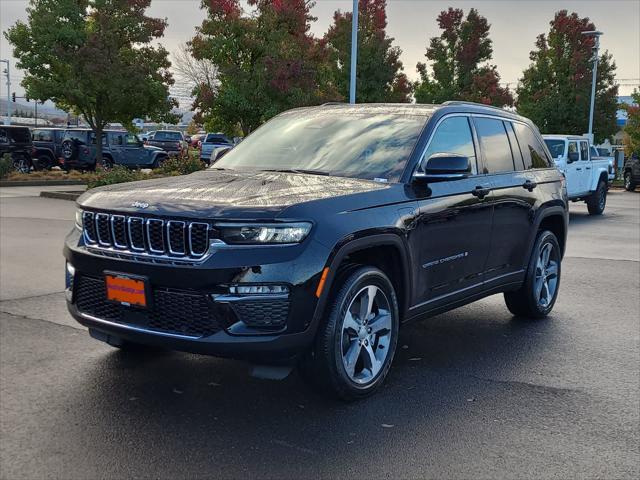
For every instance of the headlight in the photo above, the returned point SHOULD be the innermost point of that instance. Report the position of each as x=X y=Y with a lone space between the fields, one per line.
x=79 y=219
x=256 y=234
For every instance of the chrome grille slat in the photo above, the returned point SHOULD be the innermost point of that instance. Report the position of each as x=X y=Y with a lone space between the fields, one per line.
x=196 y=230
x=146 y=239
x=155 y=235
x=118 y=231
x=175 y=237
x=136 y=233
x=89 y=227
x=103 y=229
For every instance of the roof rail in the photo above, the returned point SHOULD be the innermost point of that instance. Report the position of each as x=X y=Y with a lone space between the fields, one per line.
x=476 y=104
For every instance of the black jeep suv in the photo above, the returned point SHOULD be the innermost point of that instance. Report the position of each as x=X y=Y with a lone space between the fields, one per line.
x=317 y=236
x=16 y=142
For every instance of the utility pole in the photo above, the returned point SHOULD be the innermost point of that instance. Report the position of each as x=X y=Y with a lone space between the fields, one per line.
x=8 y=119
x=596 y=47
x=354 y=52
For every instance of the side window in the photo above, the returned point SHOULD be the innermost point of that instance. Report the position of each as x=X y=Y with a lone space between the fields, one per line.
x=453 y=135
x=495 y=145
x=43 y=136
x=117 y=139
x=515 y=148
x=533 y=152
x=573 y=147
x=584 y=151
x=132 y=141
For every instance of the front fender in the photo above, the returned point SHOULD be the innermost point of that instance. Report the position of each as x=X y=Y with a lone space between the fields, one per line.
x=361 y=241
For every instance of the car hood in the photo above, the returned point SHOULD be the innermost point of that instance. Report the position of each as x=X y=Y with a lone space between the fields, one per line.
x=219 y=194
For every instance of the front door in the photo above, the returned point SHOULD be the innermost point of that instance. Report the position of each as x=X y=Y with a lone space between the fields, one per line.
x=135 y=153
x=453 y=230
x=574 y=170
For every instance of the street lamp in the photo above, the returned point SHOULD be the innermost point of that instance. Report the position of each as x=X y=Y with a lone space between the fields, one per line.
x=354 y=52
x=8 y=119
x=596 y=34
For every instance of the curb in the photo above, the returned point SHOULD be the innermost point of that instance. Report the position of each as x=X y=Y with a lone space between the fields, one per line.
x=40 y=183
x=72 y=196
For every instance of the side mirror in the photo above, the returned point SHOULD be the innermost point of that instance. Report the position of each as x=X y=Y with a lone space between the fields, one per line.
x=187 y=139
x=573 y=157
x=441 y=167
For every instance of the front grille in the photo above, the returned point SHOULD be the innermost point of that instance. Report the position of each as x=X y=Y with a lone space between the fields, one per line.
x=177 y=312
x=147 y=236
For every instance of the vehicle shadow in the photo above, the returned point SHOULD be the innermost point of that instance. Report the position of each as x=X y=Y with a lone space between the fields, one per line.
x=180 y=415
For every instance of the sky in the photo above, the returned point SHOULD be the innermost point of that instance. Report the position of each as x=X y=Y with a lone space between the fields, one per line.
x=515 y=25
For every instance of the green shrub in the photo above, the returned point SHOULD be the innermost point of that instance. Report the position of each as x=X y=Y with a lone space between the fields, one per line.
x=6 y=165
x=117 y=174
x=180 y=166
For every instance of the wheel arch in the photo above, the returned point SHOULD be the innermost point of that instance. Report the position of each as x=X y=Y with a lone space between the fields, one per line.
x=386 y=251
x=554 y=219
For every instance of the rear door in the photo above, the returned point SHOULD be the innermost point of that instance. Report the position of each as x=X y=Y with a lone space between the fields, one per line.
x=452 y=237
x=574 y=171
x=585 y=163
x=512 y=196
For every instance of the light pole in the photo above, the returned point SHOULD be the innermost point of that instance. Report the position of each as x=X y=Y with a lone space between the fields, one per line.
x=354 y=52
x=8 y=119
x=596 y=34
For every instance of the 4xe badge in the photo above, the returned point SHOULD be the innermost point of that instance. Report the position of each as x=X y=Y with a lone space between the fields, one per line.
x=140 y=205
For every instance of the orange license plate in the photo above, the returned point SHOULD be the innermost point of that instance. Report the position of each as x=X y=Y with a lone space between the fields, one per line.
x=126 y=290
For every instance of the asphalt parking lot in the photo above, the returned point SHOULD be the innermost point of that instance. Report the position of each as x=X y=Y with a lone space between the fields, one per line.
x=473 y=393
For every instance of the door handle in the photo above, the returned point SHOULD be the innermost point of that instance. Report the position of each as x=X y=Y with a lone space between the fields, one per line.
x=529 y=185
x=480 y=192
x=587 y=168
x=578 y=169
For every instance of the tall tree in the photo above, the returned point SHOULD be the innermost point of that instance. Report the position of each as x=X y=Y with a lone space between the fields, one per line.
x=555 y=91
x=458 y=63
x=94 y=57
x=379 y=75
x=632 y=128
x=267 y=62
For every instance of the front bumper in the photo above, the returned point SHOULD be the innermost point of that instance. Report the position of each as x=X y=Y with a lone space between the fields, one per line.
x=235 y=329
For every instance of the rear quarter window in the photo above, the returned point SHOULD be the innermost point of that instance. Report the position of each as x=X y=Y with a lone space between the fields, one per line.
x=533 y=152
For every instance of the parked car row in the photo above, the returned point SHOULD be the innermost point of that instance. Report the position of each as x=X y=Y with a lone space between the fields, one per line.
x=75 y=148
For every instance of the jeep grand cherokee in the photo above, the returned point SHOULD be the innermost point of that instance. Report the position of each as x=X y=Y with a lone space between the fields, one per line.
x=317 y=236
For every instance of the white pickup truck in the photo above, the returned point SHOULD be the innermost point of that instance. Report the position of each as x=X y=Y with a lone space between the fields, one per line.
x=587 y=177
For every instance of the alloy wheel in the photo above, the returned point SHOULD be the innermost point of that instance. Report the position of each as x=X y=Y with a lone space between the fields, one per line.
x=366 y=334
x=546 y=281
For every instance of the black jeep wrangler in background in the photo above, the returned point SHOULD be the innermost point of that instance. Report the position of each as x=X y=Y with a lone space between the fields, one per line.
x=16 y=141
x=47 y=143
x=314 y=239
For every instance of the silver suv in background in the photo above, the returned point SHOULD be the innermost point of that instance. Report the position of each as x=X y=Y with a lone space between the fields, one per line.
x=214 y=145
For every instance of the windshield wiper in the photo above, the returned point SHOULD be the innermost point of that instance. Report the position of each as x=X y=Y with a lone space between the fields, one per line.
x=297 y=170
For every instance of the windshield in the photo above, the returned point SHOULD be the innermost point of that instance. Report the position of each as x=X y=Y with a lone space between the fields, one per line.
x=369 y=146
x=168 y=136
x=213 y=138
x=556 y=147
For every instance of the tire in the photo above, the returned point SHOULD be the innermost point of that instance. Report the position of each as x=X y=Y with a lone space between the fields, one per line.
x=629 y=184
x=597 y=201
x=22 y=163
x=69 y=149
x=533 y=300
x=158 y=161
x=351 y=358
x=107 y=163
